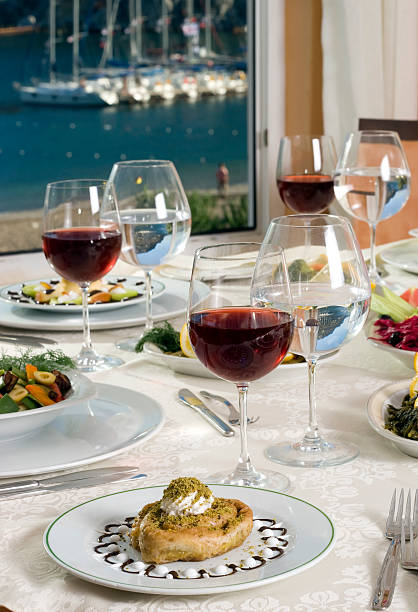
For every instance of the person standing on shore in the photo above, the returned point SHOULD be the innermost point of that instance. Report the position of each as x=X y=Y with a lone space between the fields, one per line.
x=222 y=178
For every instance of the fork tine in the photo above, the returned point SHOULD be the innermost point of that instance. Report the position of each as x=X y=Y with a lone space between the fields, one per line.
x=391 y=514
x=408 y=511
x=398 y=519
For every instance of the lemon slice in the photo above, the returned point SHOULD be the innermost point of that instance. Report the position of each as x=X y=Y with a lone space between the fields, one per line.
x=413 y=387
x=288 y=357
x=416 y=362
x=185 y=344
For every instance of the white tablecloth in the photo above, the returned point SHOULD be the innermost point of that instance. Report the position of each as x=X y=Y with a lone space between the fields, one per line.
x=355 y=495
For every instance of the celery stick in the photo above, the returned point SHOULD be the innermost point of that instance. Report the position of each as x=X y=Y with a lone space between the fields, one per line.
x=396 y=300
x=383 y=306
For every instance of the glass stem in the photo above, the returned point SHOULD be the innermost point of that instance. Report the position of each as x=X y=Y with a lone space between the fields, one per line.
x=312 y=434
x=244 y=463
x=372 y=261
x=148 y=288
x=87 y=345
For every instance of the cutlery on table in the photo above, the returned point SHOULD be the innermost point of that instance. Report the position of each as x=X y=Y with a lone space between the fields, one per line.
x=185 y=396
x=234 y=416
x=385 y=585
x=75 y=480
x=36 y=341
x=409 y=529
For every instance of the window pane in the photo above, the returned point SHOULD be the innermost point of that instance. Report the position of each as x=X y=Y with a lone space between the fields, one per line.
x=164 y=80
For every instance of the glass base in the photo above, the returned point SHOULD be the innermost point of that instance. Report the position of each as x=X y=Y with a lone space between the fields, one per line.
x=97 y=363
x=262 y=480
x=128 y=344
x=322 y=454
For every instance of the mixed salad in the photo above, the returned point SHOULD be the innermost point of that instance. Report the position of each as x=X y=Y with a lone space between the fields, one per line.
x=398 y=321
x=33 y=381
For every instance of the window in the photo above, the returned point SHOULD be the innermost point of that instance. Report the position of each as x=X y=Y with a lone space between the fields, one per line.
x=135 y=80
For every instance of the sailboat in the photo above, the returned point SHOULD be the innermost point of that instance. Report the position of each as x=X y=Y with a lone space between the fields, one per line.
x=74 y=92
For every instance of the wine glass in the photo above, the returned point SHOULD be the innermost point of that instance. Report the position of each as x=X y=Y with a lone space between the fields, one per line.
x=82 y=241
x=372 y=181
x=155 y=219
x=305 y=166
x=331 y=294
x=235 y=340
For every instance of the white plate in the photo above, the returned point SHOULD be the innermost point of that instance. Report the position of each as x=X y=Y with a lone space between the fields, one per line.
x=113 y=421
x=193 y=367
x=406 y=357
x=70 y=540
x=376 y=413
x=172 y=303
x=16 y=424
x=403 y=255
x=131 y=282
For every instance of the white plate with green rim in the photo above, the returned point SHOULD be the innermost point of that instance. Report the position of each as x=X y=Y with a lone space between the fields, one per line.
x=13 y=294
x=71 y=540
x=403 y=255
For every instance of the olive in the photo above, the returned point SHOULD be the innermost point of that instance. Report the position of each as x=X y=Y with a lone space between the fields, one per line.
x=386 y=317
x=395 y=338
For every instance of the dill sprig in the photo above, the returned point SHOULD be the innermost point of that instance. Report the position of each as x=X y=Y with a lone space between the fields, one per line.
x=47 y=361
x=164 y=336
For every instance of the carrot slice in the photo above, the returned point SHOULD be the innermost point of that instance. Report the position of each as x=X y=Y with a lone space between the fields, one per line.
x=30 y=370
x=40 y=395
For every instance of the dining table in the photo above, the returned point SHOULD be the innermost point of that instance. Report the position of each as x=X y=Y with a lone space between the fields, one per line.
x=355 y=496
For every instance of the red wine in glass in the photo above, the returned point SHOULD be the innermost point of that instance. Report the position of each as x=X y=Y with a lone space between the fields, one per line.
x=241 y=343
x=306 y=193
x=82 y=254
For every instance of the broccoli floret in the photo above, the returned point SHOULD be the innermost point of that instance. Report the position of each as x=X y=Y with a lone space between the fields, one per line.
x=299 y=270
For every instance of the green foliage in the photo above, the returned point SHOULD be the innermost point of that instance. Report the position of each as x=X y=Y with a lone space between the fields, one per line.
x=212 y=212
x=48 y=361
x=403 y=421
x=164 y=336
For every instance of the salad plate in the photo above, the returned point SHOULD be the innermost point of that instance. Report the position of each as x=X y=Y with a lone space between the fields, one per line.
x=403 y=255
x=13 y=294
x=72 y=542
x=171 y=303
x=114 y=420
x=377 y=410
x=406 y=357
x=193 y=367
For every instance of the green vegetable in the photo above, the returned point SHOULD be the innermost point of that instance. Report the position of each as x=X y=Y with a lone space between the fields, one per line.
x=118 y=297
x=7 y=405
x=164 y=336
x=299 y=270
x=30 y=403
x=393 y=305
x=403 y=421
x=50 y=360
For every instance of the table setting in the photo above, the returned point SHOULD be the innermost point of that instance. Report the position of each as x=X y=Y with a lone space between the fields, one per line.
x=133 y=474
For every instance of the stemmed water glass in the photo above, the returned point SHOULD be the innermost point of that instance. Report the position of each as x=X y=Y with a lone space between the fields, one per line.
x=235 y=340
x=372 y=181
x=305 y=166
x=82 y=241
x=331 y=293
x=155 y=219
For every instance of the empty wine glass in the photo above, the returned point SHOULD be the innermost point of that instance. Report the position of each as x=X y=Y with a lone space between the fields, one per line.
x=235 y=340
x=155 y=219
x=82 y=241
x=372 y=181
x=305 y=166
x=331 y=294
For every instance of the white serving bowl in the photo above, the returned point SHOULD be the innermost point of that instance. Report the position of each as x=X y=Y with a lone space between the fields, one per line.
x=376 y=413
x=18 y=424
x=407 y=357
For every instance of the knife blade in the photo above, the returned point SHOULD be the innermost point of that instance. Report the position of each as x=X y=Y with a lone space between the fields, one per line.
x=188 y=398
x=25 y=339
x=75 y=480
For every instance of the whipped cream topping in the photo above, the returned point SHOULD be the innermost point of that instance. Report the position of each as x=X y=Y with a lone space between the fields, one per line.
x=188 y=505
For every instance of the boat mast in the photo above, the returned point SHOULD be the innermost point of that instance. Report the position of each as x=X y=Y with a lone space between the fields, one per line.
x=109 y=27
x=208 y=27
x=133 y=51
x=76 y=40
x=164 y=19
x=52 y=42
x=139 y=30
x=190 y=38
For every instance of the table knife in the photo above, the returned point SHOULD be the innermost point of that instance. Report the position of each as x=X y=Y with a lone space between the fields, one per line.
x=185 y=396
x=75 y=480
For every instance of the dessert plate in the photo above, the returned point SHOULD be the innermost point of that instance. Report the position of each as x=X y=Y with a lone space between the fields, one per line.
x=403 y=255
x=376 y=413
x=170 y=304
x=12 y=294
x=113 y=421
x=72 y=537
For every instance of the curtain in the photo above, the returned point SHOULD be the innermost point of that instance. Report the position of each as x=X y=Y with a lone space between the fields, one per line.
x=370 y=62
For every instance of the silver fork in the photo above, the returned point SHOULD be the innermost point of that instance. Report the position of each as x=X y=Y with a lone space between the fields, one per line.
x=385 y=585
x=409 y=555
x=233 y=418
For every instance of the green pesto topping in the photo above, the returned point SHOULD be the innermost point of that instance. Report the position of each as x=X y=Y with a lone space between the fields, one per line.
x=182 y=487
x=222 y=515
